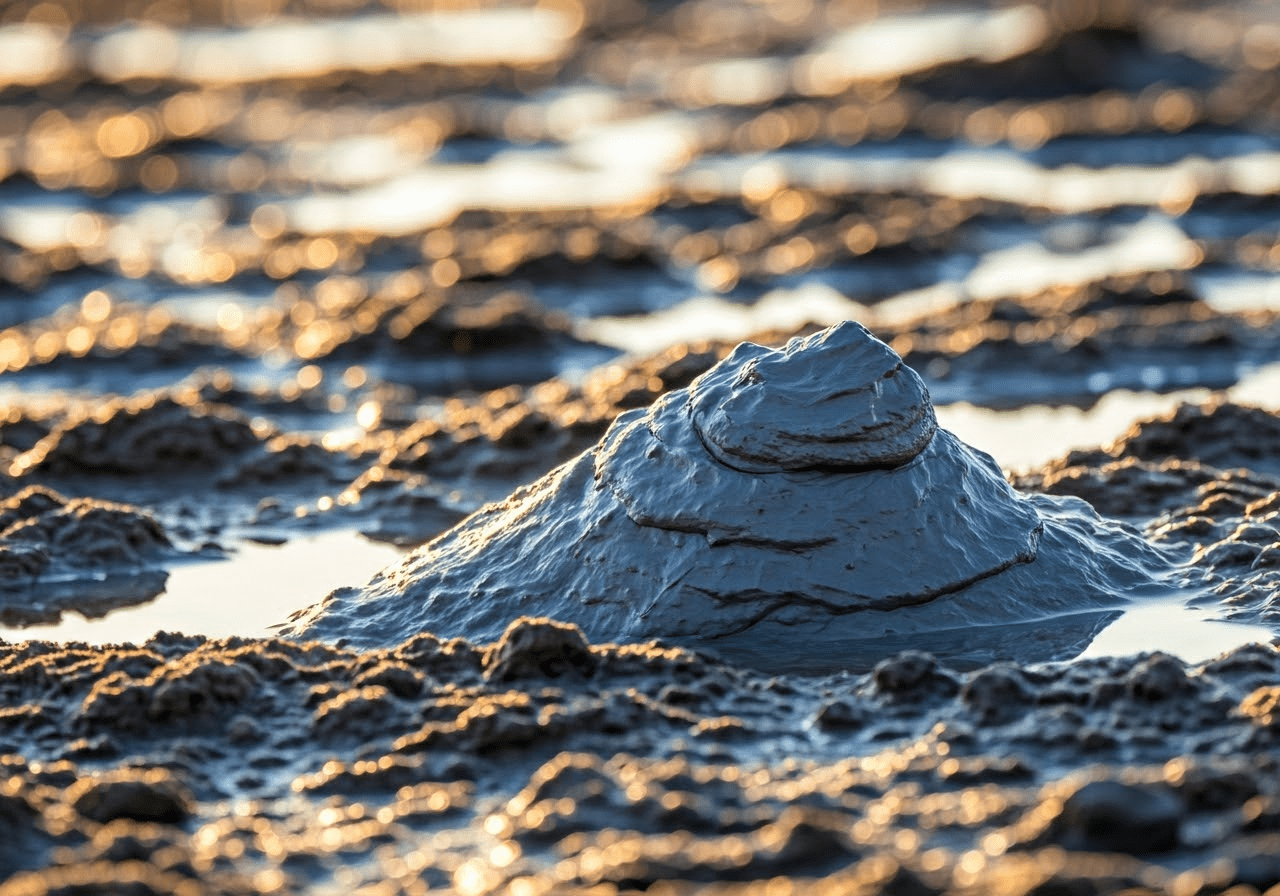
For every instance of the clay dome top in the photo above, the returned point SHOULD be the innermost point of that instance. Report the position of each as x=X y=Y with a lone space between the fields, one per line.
x=839 y=399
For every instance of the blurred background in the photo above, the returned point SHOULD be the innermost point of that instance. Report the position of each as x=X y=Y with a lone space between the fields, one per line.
x=307 y=282
x=1041 y=205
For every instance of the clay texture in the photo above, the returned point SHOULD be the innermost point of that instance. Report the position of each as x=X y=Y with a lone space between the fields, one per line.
x=548 y=764
x=836 y=400
x=791 y=509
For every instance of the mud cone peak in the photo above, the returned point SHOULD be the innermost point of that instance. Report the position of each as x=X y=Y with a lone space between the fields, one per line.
x=839 y=399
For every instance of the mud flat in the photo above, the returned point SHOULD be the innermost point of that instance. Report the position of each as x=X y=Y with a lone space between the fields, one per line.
x=540 y=760
x=274 y=275
x=543 y=763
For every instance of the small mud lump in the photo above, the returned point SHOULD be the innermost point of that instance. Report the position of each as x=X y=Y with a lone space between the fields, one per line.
x=538 y=647
x=152 y=795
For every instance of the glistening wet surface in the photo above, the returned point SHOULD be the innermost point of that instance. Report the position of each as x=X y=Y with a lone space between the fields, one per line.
x=258 y=586
x=255 y=587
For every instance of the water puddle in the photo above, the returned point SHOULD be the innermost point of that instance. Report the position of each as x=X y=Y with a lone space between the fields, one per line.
x=309 y=48
x=514 y=180
x=1174 y=628
x=999 y=175
x=1152 y=244
x=1015 y=264
x=257 y=587
x=894 y=46
x=711 y=317
x=1031 y=436
x=1233 y=291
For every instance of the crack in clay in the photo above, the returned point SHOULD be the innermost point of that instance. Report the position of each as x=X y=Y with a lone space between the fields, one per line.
x=835 y=609
x=713 y=536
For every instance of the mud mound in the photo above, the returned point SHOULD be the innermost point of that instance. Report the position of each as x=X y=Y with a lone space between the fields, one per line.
x=778 y=502
x=142 y=436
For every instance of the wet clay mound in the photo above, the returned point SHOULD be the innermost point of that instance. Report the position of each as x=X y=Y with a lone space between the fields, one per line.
x=1126 y=331
x=779 y=502
x=92 y=556
x=543 y=763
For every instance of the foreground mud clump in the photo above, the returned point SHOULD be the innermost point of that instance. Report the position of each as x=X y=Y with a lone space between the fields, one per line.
x=544 y=763
x=776 y=503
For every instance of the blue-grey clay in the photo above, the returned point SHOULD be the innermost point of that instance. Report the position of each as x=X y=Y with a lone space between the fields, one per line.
x=793 y=509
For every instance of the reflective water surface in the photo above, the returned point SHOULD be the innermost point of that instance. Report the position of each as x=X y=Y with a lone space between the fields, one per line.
x=254 y=588
x=1170 y=626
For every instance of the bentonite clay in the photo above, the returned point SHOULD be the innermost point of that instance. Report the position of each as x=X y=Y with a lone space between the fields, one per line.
x=777 y=511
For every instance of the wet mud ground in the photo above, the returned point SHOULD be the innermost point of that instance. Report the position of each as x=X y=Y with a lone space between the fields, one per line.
x=385 y=270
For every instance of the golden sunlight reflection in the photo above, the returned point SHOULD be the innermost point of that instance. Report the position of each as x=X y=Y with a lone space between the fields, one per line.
x=897 y=45
x=32 y=54
x=1174 y=627
x=302 y=49
x=998 y=175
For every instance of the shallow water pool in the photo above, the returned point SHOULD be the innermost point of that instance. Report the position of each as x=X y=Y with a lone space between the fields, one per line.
x=1173 y=627
x=255 y=588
